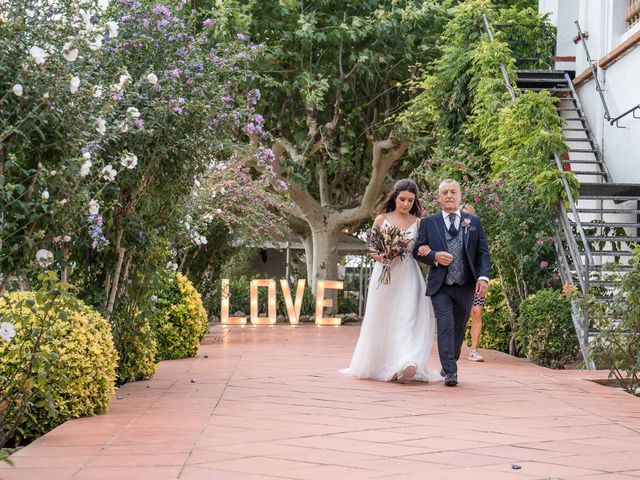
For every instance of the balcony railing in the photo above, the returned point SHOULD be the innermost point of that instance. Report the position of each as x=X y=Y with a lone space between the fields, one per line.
x=633 y=12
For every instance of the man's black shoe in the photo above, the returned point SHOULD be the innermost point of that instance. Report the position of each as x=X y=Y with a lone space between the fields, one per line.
x=442 y=374
x=451 y=380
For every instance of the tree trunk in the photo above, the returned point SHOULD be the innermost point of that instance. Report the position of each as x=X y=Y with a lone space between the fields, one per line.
x=325 y=259
x=307 y=241
x=116 y=274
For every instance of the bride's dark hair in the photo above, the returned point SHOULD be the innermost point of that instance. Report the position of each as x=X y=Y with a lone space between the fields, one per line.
x=404 y=185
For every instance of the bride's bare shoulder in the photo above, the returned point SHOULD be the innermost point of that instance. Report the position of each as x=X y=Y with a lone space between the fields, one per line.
x=379 y=219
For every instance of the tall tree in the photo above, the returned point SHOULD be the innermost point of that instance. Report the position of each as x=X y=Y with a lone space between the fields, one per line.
x=338 y=72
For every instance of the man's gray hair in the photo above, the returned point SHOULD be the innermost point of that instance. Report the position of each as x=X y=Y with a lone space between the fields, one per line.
x=449 y=180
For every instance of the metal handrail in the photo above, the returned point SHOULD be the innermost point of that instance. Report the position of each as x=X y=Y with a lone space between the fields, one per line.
x=631 y=110
x=577 y=313
x=505 y=75
x=576 y=218
x=594 y=70
x=574 y=94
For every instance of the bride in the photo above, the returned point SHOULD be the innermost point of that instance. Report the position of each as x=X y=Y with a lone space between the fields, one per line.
x=398 y=328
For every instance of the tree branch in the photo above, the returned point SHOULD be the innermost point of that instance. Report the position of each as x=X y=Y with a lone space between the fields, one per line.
x=385 y=154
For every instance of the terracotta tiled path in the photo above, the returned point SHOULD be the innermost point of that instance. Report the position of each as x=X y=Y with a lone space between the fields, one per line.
x=267 y=403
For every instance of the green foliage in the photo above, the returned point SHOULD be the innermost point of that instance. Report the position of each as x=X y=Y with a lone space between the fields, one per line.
x=496 y=321
x=136 y=343
x=337 y=71
x=617 y=346
x=531 y=37
x=546 y=331
x=60 y=365
x=445 y=97
x=181 y=320
x=523 y=137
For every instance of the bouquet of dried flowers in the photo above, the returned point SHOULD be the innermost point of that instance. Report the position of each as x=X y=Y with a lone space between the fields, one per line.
x=389 y=242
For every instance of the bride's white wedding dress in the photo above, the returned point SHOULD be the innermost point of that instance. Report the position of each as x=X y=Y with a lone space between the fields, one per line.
x=399 y=324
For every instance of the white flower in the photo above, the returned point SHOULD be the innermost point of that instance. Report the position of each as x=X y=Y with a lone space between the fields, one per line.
x=53 y=173
x=97 y=91
x=45 y=195
x=152 y=78
x=69 y=54
x=86 y=155
x=66 y=238
x=103 y=4
x=129 y=161
x=133 y=112
x=154 y=299
x=38 y=54
x=85 y=169
x=171 y=265
x=46 y=96
x=207 y=218
x=44 y=257
x=7 y=331
x=203 y=240
x=17 y=90
x=109 y=173
x=74 y=85
x=124 y=78
x=96 y=44
x=113 y=29
x=218 y=211
x=101 y=126
x=94 y=207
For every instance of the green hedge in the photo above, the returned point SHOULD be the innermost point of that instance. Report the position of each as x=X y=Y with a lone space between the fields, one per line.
x=73 y=360
x=181 y=320
x=546 y=331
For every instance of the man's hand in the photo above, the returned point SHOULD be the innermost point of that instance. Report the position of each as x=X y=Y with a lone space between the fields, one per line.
x=444 y=258
x=423 y=250
x=482 y=288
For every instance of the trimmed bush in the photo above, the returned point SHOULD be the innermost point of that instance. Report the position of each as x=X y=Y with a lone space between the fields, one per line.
x=137 y=348
x=496 y=324
x=181 y=320
x=546 y=330
x=61 y=361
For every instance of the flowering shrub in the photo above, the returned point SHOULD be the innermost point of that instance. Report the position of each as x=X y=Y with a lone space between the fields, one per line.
x=181 y=320
x=59 y=365
x=107 y=118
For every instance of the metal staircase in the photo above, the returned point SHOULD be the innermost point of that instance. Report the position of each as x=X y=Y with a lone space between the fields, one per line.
x=595 y=236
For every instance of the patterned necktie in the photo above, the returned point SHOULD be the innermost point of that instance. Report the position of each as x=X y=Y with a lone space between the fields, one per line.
x=453 y=231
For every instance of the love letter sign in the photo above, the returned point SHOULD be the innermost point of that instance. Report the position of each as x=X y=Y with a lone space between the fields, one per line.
x=293 y=307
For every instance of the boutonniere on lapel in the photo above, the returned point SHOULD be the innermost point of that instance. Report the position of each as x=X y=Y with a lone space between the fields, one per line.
x=466 y=223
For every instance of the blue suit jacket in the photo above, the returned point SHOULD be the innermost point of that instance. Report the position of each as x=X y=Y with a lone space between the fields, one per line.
x=476 y=247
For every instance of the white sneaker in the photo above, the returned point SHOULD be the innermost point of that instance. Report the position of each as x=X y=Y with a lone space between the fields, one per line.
x=475 y=356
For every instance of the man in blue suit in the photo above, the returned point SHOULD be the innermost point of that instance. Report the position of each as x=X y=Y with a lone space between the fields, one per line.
x=460 y=266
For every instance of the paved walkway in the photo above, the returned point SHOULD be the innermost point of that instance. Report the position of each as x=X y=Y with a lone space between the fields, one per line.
x=267 y=403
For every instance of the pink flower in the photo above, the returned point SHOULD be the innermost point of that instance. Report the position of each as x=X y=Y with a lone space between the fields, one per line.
x=208 y=22
x=540 y=243
x=544 y=264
